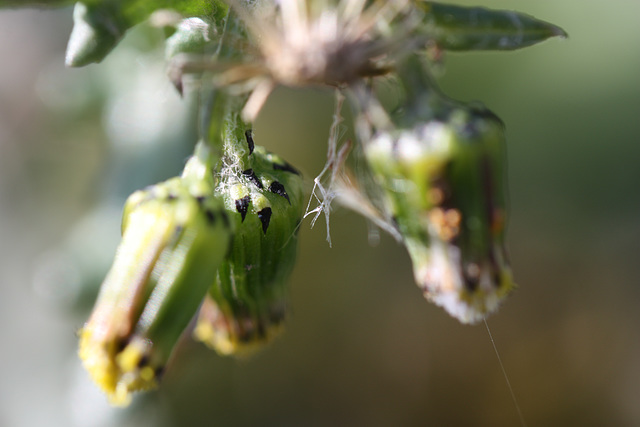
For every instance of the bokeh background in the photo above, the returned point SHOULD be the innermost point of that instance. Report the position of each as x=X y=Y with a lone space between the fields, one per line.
x=362 y=347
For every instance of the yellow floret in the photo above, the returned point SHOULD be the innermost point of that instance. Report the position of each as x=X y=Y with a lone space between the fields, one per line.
x=118 y=374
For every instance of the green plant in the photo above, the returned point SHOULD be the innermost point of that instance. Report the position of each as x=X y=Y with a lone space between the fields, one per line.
x=225 y=231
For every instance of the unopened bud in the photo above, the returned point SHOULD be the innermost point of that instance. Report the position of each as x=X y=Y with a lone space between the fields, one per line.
x=175 y=234
x=247 y=304
x=444 y=186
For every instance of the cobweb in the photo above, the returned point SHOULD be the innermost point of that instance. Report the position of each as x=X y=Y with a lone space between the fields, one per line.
x=335 y=181
x=324 y=185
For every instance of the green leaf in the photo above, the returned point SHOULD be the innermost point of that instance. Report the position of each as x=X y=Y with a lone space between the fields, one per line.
x=100 y=24
x=138 y=10
x=96 y=31
x=462 y=28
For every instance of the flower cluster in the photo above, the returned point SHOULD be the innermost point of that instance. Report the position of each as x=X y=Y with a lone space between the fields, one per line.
x=219 y=242
x=226 y=244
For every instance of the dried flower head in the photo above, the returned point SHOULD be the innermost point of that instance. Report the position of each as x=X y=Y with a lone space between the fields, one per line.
x=318 y=43
x=300 y=43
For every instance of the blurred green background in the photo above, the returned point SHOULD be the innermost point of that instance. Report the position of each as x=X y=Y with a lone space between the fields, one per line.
x=362 y=347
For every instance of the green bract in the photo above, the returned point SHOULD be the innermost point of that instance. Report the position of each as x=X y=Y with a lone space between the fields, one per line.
x=175 y=234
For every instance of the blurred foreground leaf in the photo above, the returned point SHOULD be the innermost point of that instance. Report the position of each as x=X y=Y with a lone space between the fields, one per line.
x=99 y=25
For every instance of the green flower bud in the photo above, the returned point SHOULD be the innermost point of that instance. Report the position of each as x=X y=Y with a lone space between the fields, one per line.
x=441 y=171
x=175 y=234
x=444 y=186
x=263 y=195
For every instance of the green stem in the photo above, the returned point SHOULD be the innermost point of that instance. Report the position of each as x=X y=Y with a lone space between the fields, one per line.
x=221 y=111
x=424 y=99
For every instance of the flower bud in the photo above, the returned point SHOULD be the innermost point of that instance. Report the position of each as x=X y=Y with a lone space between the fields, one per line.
x=175 y=234
x=439 y=166
x=443 y=181
x=248 y=301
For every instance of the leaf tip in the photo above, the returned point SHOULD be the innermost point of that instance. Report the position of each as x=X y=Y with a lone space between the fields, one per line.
x=559 y=32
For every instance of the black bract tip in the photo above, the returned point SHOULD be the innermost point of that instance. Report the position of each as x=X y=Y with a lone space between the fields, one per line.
x=265 y=218
x=242 y=205
x=285 y=167
x=249 y=135
x=278 y=188
x=211 y=218
x=251 y=175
